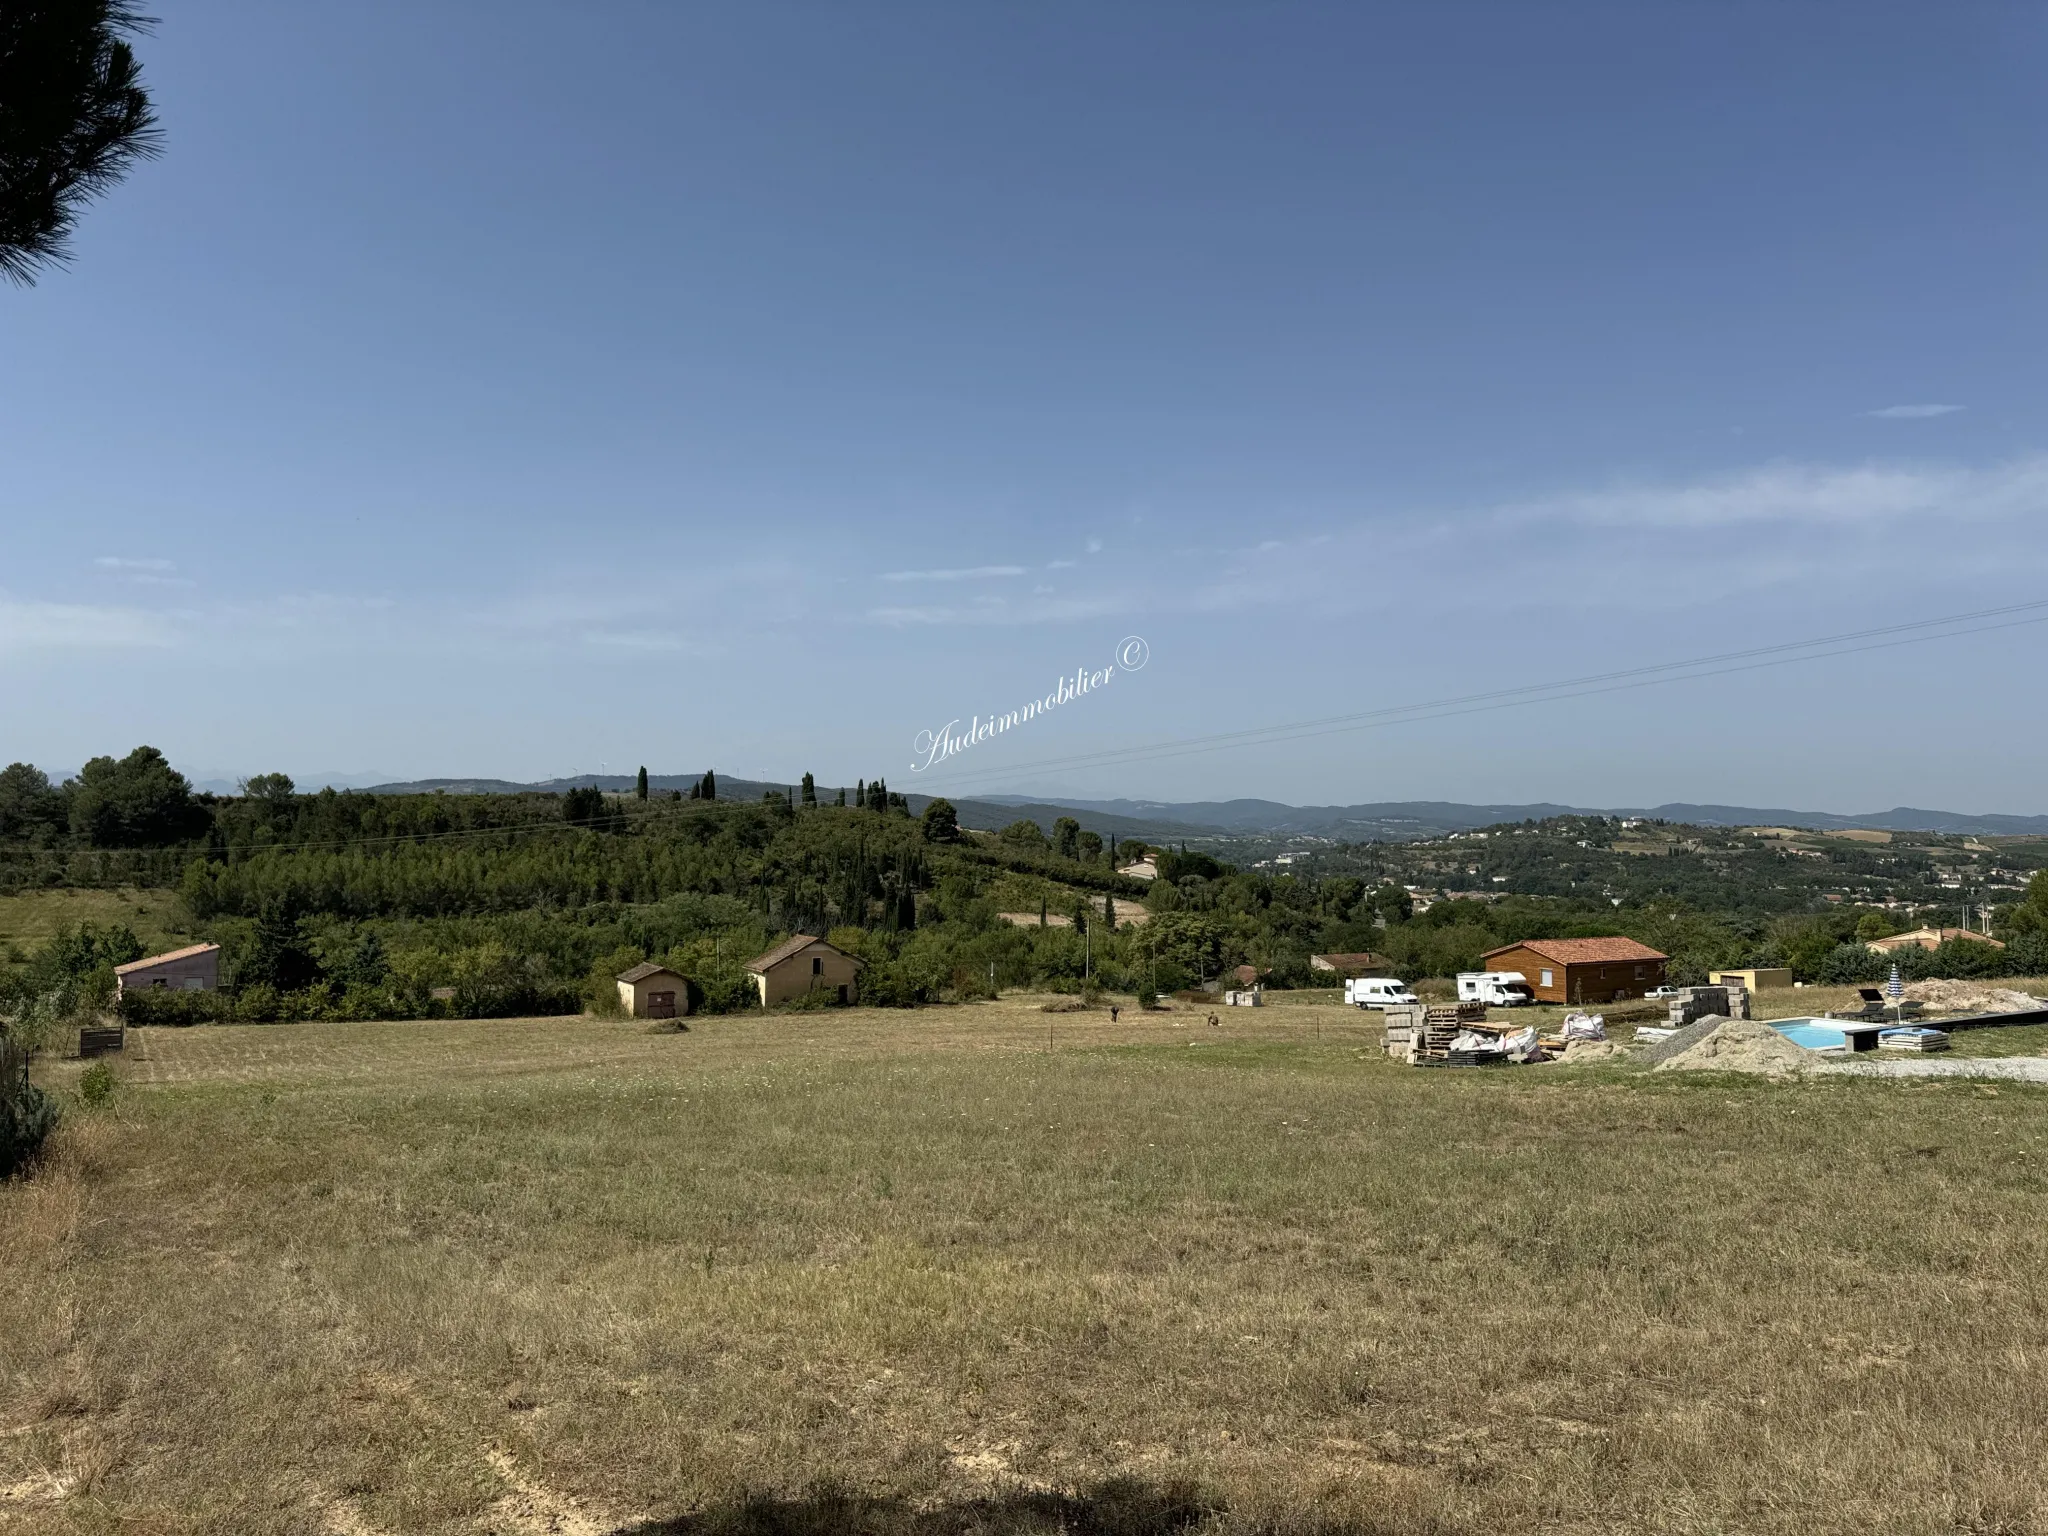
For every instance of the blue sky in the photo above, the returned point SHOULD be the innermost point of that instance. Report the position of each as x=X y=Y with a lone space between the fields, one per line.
x=512 y=390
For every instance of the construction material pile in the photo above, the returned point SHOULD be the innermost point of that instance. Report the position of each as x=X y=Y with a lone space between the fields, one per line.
x=1742 y=1045
x=1458 y=1035
x=1969 y=997
x=1730 y=1000
x=1422 y=1033
x=1912 y=1037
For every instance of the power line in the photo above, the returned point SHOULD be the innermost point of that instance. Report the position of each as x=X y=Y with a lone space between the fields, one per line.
x=1754 y=658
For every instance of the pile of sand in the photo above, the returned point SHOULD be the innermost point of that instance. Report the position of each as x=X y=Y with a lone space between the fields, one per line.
x=1968 y=997
x=1742 y=1045
x=1589 y=1050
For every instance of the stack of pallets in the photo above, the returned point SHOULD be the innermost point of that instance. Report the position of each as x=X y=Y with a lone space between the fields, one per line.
x=1423 y=1032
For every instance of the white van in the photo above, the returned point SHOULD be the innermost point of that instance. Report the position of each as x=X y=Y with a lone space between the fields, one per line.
x=1377 y=992
x=1496 y=989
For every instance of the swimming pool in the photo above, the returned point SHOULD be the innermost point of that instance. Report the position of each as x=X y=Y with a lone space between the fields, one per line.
x=1814 y=1034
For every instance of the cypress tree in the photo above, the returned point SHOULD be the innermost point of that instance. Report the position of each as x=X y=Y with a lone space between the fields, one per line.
x=710 y=785
x=860 y=794
x=1109 y=913
x=841 y=801
x=810 y=793
x=640 y=785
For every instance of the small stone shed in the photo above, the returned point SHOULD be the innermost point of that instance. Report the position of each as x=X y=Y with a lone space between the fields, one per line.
x=195 y=968
x=801 y=965
x=650 y=991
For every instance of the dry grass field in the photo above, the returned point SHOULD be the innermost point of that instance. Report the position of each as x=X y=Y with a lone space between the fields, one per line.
x=30 y=918
x=938 y=1273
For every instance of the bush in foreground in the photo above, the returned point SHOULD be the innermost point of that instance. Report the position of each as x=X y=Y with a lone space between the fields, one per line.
x=27 y=1114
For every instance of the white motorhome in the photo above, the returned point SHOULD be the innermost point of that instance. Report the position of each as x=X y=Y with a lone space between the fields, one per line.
x=1496 y=989
x=1377 y=992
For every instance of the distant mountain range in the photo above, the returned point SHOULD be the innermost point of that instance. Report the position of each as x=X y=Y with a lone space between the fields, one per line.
x=1388 y=821
x=1405 y=820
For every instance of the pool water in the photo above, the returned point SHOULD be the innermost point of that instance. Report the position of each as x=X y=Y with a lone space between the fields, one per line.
x=1814 y=1034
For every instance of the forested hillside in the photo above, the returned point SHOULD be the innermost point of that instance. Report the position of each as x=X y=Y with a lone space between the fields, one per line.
x=371 y=905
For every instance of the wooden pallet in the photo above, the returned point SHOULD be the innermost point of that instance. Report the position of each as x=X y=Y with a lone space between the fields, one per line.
x=110 y=1041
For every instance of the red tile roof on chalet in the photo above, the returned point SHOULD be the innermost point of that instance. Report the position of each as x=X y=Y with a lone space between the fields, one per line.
x=645 y=969
x=789 y=948
x=177 y=954
x=1583 y=951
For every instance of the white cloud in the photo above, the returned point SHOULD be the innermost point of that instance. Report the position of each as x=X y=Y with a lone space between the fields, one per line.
x=962 y=573
x=39 y=626
x=1061 y=565
x=1913 y=412
x=1095 y=546
x=1866 y=496
x=117 y=563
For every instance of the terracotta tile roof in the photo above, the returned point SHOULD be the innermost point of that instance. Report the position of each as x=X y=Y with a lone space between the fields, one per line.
x=1920 y=936
x=795 y=944
x=1363 y=960
x=1248 y=974
x=647 y=968
x=1583 y=951
x=177 y=954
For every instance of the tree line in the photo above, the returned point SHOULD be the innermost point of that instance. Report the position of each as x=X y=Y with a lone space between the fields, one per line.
x=355 y=905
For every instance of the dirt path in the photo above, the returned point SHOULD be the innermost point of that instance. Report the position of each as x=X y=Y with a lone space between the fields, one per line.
x=2023 y=1069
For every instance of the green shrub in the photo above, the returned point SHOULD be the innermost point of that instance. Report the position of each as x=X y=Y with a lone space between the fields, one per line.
x=735 y=992
x=27 y=1114
x=96 y=1085
x=810 y=1002
x=259 y=1004
x=162 y=1005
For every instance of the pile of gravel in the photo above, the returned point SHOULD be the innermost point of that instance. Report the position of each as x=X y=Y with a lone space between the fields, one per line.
x=1680 y=1040
x=1741 y=1045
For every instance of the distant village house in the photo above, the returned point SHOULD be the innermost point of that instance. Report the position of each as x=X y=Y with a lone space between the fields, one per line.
x=802 y=965
x=1363 y=963
x=1933 y=938
x=1581 y=970
x=195 y=968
